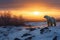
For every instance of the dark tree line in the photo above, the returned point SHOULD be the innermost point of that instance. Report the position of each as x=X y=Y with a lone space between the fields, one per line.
x=6 y=19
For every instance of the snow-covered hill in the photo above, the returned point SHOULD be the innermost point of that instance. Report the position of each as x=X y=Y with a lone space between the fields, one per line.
x=18 y=33
x=36 y=33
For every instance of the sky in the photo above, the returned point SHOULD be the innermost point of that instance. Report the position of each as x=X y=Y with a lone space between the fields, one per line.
x=28 y=7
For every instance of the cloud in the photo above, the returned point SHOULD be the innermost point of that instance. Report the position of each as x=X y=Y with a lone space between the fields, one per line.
x=16 y=4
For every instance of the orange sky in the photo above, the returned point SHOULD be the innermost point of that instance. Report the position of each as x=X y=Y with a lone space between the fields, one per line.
x=27 y=8
x=42 y=9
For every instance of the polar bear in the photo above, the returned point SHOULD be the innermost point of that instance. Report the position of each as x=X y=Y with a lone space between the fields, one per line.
x=50 y=20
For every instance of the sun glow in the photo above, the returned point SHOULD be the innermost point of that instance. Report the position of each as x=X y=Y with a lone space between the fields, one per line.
x=36 y=13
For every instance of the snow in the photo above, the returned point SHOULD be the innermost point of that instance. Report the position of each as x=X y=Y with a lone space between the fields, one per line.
x=12 y=32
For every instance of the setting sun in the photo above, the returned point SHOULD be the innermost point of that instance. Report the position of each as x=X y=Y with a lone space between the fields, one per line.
x=36 y=13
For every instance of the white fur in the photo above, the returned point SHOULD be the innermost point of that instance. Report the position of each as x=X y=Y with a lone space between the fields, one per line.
x=50 y=20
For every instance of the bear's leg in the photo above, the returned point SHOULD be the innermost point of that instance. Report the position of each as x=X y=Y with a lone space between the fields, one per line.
x=51 y=24
x=54 y=23
x=48 y=23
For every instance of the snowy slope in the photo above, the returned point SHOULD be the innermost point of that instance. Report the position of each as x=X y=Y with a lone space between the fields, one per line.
x=20 y=33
